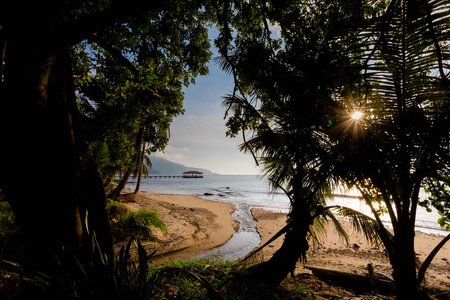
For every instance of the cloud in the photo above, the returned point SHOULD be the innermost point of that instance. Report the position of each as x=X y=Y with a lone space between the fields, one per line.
x=174 y=154
x=199 y=130
x=199 y=141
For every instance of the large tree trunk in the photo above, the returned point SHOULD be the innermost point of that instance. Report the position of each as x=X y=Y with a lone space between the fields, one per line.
x=46 y=171
x=293 y=249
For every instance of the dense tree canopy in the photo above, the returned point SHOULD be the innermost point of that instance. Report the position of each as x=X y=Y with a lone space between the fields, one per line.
x=131 y=78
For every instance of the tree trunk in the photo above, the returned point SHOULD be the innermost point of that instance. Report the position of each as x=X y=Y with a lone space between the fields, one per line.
x=46 y=172
x=140 y=168
x=284 y=260
x=404 y=266
x=116 y=192
x=120 y=186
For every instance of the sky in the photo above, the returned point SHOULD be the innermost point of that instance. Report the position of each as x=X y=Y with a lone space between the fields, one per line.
x=198 y=138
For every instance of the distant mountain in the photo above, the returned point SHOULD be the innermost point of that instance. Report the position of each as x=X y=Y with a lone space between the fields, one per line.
x=164 y=166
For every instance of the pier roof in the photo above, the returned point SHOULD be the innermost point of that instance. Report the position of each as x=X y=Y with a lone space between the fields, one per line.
x=192 y=172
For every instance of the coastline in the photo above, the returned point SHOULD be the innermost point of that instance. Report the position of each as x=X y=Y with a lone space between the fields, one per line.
x=197 y=225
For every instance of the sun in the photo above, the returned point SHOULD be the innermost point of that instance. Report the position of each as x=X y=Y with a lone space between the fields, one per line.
x=357 y=115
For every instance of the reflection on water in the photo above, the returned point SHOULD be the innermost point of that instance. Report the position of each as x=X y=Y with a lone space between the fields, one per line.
x=246 y=192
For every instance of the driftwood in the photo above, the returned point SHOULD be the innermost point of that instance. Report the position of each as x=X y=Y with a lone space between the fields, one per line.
x=359 y=283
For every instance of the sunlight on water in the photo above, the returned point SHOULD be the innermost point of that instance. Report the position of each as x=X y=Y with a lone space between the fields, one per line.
x=250 y=191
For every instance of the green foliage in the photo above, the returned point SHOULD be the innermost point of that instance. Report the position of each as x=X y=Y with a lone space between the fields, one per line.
x=127 y=276
x=305 y=292
x=102 y=156
x=120 y=278
x=137 y=224
x=230 y=279
x=7 y=219
x=286 y=94
x=439 y=199
x=115 y=209
x=127 y=224
x=130 y=275
x=130 y=77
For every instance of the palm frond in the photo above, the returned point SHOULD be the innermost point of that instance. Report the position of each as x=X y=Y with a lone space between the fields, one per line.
x=137 y=223
x=102 y=158
x=225 y=63
x=361 y=223
x=150 y=218
x=317 y=230
x=243 y=108
x=147 y=166
x=408 y=47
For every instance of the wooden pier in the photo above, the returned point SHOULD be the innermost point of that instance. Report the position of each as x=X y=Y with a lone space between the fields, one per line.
x=188 y=174
x=166 y=176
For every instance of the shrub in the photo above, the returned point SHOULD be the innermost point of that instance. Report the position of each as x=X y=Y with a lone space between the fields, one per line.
x=115 y=209
x=137 y=224
x=7 y=219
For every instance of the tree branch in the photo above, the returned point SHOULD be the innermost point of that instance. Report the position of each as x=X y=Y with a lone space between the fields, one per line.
x=429 y=258
x=276 y=236
x=84 y=26
x=117 y=54
x=248 y=147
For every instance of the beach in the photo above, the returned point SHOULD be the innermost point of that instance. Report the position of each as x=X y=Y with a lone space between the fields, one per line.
x=196 y=225
x=334 y=254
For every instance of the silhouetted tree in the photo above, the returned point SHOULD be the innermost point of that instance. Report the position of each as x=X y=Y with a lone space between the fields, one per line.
x=390 y=63
x=62 y=205
x=280 y=100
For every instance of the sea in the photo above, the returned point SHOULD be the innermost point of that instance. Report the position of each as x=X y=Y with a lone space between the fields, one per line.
x=252 y=191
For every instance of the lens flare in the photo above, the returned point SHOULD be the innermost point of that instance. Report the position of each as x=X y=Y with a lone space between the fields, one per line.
x=357 y=115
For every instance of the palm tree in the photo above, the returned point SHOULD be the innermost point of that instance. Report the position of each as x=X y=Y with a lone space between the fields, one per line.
x=281 y=98
x=280 y=106
x=294 y=160
x=403 y=140
x=143 y=166
x=400 y=144
x=138 y=223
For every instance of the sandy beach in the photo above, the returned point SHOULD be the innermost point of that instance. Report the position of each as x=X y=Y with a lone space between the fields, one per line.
x=333 y=253
x=197 y=225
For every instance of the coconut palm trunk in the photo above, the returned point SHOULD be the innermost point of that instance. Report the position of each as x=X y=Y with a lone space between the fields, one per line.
x=123 y=181
x=140 y=168
x=293 y=249
x=404 y=268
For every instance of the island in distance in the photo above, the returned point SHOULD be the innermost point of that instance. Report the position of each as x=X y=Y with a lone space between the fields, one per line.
x=163 y=166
